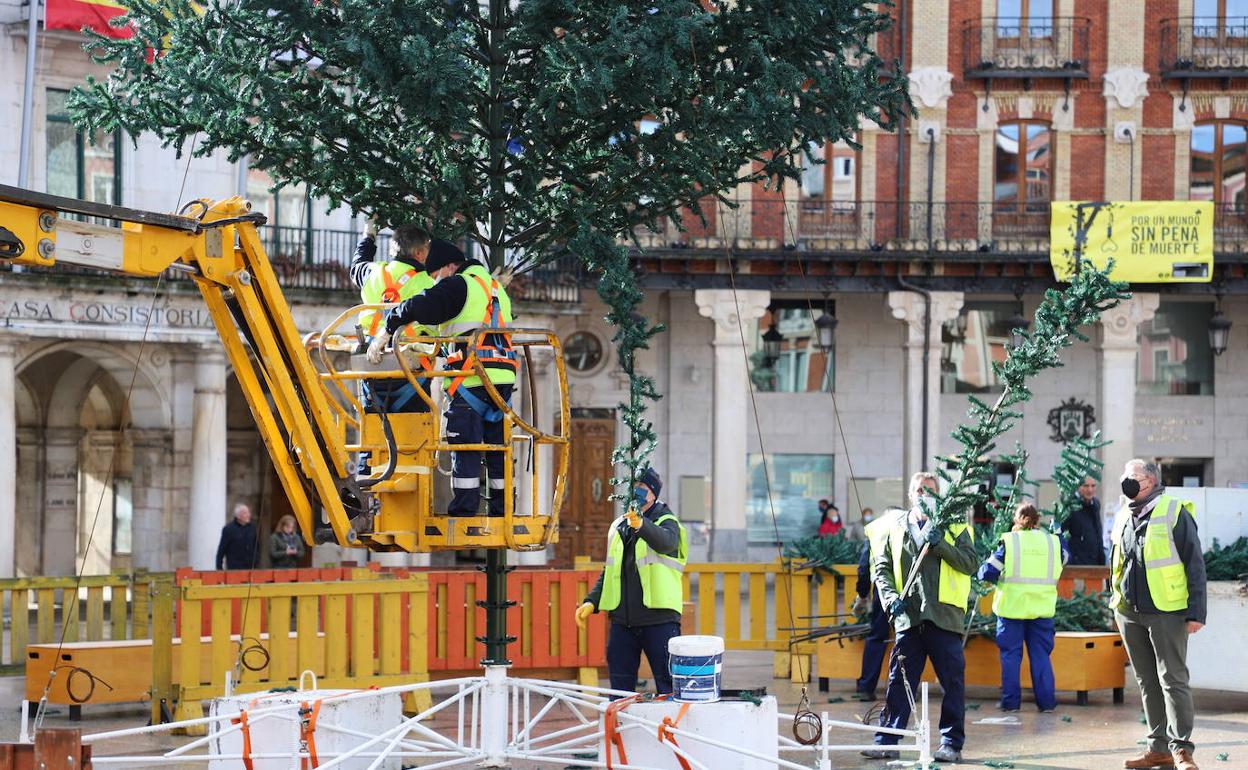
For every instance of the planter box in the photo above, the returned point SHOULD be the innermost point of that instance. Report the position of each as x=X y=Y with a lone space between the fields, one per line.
x=1217 y=656
x=1082 y=661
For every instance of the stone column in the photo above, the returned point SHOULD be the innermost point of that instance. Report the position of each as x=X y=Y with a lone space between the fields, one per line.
x=8 y=450
x=909 y=307
x=732 y=314
x=60 y=505
x=208 y=458
x=1118 y=346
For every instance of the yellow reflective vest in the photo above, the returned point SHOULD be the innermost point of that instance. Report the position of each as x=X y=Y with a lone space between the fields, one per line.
x=487 y=305
x=955 y=587
x=1163 y=566
x=1027 y=588
x=662 y=586
x=389 y=282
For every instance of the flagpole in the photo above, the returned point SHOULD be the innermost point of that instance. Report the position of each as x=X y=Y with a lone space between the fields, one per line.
x=28 y=97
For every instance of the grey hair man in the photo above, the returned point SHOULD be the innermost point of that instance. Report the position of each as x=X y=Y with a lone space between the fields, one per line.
x=1157 y=591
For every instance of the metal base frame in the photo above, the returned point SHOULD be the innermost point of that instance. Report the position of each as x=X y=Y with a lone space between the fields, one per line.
x=497 y=723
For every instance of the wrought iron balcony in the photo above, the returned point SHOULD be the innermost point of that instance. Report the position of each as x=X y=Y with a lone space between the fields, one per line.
x=1204 y=47
x=1002 y=47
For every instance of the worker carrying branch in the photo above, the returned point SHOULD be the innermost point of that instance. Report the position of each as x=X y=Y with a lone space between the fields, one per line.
x=463 y=299
x=641 y=586
x=929 y=621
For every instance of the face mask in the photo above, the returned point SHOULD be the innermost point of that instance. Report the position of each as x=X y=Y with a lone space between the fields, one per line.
x=927 y=504
x=639 y=497
x=834 y=517
x=1130 y=488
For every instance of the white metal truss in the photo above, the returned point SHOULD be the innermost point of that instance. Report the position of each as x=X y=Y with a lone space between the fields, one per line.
x=497 y=723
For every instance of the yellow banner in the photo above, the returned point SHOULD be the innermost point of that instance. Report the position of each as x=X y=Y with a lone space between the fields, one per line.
x=1148 y=241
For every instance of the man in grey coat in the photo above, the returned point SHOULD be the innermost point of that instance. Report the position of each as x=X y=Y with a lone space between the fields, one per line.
x=1157 y=591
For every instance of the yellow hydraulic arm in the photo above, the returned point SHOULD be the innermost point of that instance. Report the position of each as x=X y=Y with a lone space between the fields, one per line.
x=303 y=427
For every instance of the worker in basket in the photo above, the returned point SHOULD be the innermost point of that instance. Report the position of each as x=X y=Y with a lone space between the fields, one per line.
x=463 y=299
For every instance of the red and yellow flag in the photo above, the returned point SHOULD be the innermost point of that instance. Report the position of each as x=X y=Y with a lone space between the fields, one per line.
x=76 y=14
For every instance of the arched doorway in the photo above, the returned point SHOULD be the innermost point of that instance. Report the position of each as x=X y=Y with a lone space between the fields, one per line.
x=92 y=468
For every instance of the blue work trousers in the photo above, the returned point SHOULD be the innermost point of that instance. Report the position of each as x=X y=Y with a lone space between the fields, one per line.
x=911 y=651
x=874 y=647
x=1037 y=634
x=464 y=425
x=624 y=647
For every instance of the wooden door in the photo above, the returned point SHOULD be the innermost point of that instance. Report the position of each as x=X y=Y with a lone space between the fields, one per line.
x=589 y=511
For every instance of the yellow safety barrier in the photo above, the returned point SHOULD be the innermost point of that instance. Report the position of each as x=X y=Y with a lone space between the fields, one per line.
x=352 y=634
x=105 y=607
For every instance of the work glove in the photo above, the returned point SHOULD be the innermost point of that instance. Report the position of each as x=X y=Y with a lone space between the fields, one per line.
x=371 y=228
x=377 y=347
x=582 y=614
x=860 y=605
x=896 y=608
x=633 y=518
x=934 y=534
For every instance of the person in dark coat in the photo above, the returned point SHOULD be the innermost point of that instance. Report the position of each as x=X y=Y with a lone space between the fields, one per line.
x=1083 y=528
x=285 y=544
x=239 y=547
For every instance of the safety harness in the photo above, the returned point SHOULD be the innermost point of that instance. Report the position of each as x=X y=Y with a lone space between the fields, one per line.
x=390 y=294
x=494 y=351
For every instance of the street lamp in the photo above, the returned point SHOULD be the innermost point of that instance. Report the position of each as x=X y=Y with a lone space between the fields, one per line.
x=771 y=345
x=1219 y=332
x=825 y=330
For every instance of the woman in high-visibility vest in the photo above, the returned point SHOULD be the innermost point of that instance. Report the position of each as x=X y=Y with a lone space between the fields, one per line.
x=1026 y=567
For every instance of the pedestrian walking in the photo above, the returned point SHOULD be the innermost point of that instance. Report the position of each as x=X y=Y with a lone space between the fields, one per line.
x=239 y=546
x=285 y=544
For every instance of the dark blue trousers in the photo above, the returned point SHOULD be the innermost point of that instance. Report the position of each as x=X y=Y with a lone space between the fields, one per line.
x=1038 y=635
x=874 y=647
x=465 y=426
x=911 y=651
x=624 y=647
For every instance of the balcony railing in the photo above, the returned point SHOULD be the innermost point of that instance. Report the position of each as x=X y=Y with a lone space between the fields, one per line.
x=313 y=259
x=1001 y=47
x=828 y=226
x=1204 y=47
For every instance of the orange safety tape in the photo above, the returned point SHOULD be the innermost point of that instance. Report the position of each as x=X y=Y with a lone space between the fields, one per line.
x=611 y=729
x=307 y=732
x=245 y=729
x=665 y=734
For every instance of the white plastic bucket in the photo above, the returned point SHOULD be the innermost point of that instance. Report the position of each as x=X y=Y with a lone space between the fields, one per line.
x=696 y=664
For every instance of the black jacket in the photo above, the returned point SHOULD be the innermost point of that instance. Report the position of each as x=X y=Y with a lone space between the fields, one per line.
x=1084 y=533
x=663 y=538
x=239 y=547
x=863 y=586
x=1135 y=581
x=435 y=305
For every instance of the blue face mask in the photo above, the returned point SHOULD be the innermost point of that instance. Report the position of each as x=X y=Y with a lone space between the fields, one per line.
x=639 y=497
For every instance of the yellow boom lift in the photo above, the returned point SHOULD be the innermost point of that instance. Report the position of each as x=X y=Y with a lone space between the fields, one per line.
x=305 y=408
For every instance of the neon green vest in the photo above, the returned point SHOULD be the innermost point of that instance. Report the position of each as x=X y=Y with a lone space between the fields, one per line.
x=877 y=535
x=662 y=586
x=1028 y=585
x=955 y=587
x=1163 y=567
x=388 y=282
x=476 y=314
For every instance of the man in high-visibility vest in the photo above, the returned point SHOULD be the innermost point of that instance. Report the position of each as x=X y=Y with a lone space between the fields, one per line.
x=641 y=586
x=928 y=621
x=1157 y=592
x=463 y=299
x=876 y=642
x=389 y=281
x=1026 y=567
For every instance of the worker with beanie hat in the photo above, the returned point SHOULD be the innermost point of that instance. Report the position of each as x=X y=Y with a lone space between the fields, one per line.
x=464 y=299
x=641 y=586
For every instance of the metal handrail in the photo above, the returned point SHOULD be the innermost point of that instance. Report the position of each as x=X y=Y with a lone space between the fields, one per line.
x=1204 y=46
x=1000 y=46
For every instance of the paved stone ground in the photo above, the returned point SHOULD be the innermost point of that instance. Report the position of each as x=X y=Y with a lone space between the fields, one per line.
x=1096 y=737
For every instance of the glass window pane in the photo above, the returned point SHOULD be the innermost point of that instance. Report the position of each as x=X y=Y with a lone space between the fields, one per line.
x=1174 y=357
x=812 y=172
x=100 y=168
x=1010 y=9
x=1039 y=161
x=62 y=166
x=1236 y=8
x=1040 y=12
x=798 y=482
x=1232 y=181
x=1200 y=175
x=1205 y=8
x=1005 y=187
x=123 y=517
x=966 y=361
